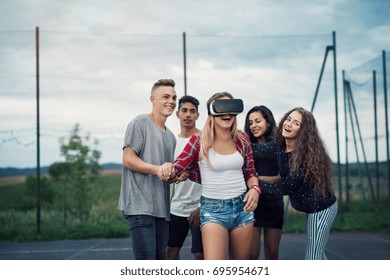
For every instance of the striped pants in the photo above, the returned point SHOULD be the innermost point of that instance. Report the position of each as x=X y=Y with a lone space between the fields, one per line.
x=318 y=227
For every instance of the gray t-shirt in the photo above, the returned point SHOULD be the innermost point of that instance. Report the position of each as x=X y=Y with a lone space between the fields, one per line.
x=146 y=194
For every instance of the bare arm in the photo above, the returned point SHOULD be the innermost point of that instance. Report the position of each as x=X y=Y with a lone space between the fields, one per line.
x=252 y=196
x=194 y=218
x=271 y=179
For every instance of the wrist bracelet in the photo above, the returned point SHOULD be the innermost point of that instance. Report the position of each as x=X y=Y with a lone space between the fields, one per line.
x=256 y=188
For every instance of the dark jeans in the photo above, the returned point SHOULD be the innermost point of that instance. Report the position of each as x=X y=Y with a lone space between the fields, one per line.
x=149 y=236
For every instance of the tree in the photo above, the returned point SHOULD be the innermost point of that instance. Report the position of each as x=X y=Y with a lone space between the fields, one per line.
x=80 y=170
x=58 y=170
x=47 y=193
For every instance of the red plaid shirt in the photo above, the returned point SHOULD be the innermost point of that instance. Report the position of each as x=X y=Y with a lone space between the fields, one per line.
x=189 y=157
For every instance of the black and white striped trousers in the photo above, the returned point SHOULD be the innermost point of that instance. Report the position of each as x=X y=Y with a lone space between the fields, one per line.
x=318 y=227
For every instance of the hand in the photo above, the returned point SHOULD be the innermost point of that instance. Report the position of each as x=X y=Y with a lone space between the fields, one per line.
x=252 y=198
x=184 y=176
x=194 y=218
x=166 y=171
x=177 y=179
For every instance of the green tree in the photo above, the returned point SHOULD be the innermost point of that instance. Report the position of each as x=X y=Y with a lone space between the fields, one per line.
x=28 y=199
x=58 y=170
x=80 y=171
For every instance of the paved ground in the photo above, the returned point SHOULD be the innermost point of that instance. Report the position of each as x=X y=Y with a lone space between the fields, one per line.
x=341 y=246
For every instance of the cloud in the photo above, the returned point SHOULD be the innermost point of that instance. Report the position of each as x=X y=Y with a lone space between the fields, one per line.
x=98 y=62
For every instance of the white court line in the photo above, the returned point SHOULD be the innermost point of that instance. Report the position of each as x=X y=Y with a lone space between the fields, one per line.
x=62 y=251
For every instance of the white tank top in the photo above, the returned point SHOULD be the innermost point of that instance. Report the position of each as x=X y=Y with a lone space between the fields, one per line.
x=225 y=178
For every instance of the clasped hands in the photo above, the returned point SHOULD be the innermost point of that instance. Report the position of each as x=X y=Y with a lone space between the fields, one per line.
x=167 y=172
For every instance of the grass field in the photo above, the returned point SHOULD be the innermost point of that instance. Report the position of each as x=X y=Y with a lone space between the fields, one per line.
x=106 y=221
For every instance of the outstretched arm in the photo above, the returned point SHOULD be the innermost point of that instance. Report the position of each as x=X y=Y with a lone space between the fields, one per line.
x=271 y=179
x=283 y=187
x=134 y=163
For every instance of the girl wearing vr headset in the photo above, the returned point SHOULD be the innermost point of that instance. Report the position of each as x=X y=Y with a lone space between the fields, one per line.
x=220 y=158
x=260 y=125
x=306 y=172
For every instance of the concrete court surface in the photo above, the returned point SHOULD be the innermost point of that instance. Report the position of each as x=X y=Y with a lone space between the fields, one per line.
x=341 y=246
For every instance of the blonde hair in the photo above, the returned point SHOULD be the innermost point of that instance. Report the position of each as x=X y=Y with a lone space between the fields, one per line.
x=207 y=135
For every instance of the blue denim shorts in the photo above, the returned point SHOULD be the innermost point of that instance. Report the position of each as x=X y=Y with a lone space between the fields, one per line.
x=227 y=212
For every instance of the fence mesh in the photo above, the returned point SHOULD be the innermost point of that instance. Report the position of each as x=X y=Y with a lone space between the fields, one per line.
x=367 y=128
x=101 y=81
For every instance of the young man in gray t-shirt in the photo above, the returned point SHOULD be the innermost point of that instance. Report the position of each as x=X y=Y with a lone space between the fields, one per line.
x=144 y=197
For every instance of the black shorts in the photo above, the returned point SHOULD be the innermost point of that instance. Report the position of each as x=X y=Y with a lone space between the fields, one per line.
x=270 y=211
x=178 y=230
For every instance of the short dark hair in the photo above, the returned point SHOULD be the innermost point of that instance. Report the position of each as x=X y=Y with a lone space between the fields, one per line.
x=163 y=82
x=189 y=98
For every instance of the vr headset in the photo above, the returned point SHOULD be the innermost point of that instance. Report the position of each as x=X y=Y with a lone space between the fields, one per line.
x=221 y=107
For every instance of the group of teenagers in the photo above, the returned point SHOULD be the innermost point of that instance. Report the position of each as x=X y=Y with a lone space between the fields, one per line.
x=223 y=183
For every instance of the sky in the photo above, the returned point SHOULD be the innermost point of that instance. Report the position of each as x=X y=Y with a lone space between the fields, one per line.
x=99 y=60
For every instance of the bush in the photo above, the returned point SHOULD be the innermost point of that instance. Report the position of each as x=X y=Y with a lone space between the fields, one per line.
x=28 y=198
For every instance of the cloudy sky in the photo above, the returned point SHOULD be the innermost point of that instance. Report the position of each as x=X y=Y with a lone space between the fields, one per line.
x=99 y=59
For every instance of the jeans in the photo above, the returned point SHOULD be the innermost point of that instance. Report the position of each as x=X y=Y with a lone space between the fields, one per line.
x=227 y=212
x=149 y=236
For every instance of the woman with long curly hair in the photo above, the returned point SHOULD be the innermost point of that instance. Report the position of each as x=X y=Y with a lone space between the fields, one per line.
x=220 y=159
x=306 y=172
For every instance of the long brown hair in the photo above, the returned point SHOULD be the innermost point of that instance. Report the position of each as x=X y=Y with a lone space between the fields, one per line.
x=207 y=135
x=310 y=154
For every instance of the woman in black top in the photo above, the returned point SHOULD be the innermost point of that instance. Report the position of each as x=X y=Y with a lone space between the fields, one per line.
x=260 y=125
x=306 y=172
